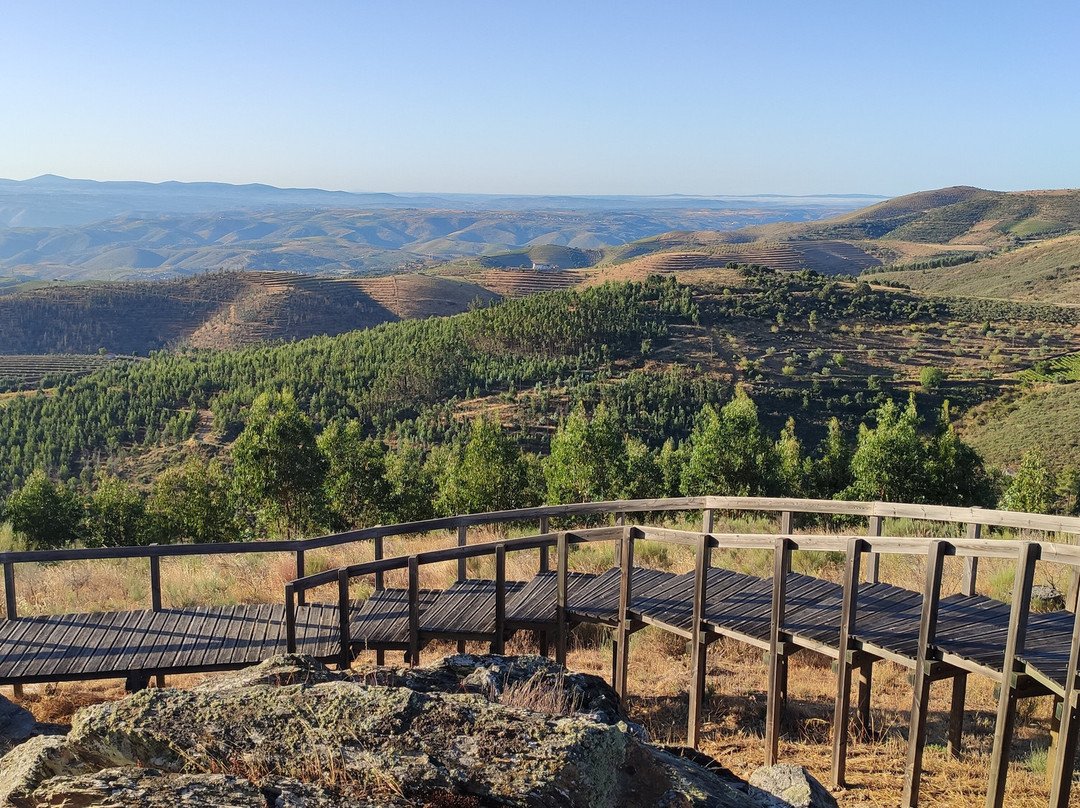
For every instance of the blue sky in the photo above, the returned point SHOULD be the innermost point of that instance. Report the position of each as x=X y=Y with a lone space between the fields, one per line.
x=556 y=97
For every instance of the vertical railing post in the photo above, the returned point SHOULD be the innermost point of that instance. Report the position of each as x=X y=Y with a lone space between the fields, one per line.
x=498 y=647
x=302 y=594
x=12 y=612
x=622 y=647
x=698 y=647
x=968 y=580
x=844 y=661
x=785 y=522
x=562 y=558
x=1064 y=752
x=971 y=563
x=872 y=560
x=620 y=521
x=290 y=618
x=623 y=630
x=777 y=658
x=155 y=583
x=414 y=611
x=545 y=562
x=1007 y=696
x=462 y=570
x=380 y=582
x=1072 y=597
x=707 y=520
x=344 y=612
x=462 y=541
x=155 y=598
x=1014 y=645
x=920 y=698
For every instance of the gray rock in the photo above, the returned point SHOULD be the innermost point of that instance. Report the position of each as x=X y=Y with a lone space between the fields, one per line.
x=787 y=786
x=292 y=733
x=27 y=765
x=1047 y=598
x=17 y=724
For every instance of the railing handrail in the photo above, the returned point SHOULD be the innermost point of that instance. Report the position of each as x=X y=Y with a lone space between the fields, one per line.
x=941 y=513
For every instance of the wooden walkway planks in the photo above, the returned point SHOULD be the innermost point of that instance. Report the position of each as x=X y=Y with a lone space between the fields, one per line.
x=534 y=606
x=971 y=629
x=465 y=611
x=96 y=645
x=382 y=620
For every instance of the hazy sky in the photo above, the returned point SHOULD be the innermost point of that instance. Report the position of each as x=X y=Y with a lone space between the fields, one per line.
x=578 y=97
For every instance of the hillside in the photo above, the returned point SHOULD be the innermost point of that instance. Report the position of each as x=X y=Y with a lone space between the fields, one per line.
x=957 y=241
x=804 y=346
x=1046 y=270
x=219 y=310
x=1046 y=417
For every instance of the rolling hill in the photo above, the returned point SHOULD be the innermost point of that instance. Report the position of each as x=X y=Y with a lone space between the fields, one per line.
x=217 y=310
x=1045 y=270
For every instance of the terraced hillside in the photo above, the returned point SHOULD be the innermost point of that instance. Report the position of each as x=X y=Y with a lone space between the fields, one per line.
x=516 y=282
x=826 y=257
x=29 y=370
x=419 y=296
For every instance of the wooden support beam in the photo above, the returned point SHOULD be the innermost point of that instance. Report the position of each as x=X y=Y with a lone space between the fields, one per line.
x=414 y=611
x=462 y=572
x=622 y=640
x=956 y=714
x=774 y=694
x=1014 y=645
x=873 y=529
x=707 y=520
x=920 y=700
x=290 y=618
x=344 y=608
x=1064 y=751
x=12 y=611
x=698 y=648
x=848 y=611
x=499 y=645
x=863 y=687
x=301 y=596
x=155 y=584
x=562 y=549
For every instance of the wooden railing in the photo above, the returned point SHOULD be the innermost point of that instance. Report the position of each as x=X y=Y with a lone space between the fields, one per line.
x=860 y=553
x=874 y=512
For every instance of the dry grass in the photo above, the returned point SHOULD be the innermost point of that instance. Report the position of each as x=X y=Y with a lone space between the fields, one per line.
x=659 y=669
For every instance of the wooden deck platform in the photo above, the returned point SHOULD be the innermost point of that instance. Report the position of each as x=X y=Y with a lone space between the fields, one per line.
x=98 y=645
x=857 y=623
x=971 y=629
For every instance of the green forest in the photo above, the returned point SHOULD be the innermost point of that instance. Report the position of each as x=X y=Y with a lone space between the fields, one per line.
x=405 y=421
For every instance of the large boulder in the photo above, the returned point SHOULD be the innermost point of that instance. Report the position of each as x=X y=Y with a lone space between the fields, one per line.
x=290 y=732
x=17 y=724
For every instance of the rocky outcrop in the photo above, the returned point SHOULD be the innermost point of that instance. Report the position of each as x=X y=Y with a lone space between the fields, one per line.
x=787 y=786
x=290 y=732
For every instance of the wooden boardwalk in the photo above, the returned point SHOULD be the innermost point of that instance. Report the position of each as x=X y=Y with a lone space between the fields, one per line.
x=858 y=621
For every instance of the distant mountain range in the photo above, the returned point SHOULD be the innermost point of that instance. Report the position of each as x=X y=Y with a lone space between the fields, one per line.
x=56 y=228
x=52 y=201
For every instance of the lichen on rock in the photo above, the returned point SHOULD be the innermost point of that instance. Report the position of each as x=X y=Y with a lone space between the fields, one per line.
x=297 y=733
